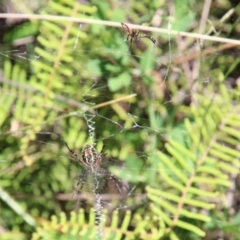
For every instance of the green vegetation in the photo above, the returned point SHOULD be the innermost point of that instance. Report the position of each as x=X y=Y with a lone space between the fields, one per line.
x=168 y=112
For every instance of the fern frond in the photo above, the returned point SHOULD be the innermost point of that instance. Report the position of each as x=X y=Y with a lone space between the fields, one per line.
x=78 y=226
x=52 y=68
x=192 y=177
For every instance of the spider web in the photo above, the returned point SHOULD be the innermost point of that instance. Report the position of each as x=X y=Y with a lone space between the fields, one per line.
x=131 y=134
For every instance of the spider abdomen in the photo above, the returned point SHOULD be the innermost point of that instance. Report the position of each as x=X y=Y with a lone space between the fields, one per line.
x=90 y=156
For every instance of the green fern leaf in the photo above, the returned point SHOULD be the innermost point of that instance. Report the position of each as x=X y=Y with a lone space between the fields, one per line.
x=192 y=176
x=79 y=227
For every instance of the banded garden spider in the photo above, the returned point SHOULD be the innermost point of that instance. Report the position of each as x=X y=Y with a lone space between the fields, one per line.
x=92 y=161
x=134 y=35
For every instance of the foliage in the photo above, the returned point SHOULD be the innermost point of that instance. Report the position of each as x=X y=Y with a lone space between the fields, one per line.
x=77 y=226
x=180 y=153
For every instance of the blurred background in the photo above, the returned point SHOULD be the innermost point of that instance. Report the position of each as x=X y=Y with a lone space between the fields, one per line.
x=165 y=107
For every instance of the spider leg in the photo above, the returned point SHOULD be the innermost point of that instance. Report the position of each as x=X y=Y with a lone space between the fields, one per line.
x=118 y=183
x=136 y=36
x=69 y=149
x=152 y=39
x=81 y=181
x=78 y=190
x=103 y=149
x=149 y=37
x=74 y=157
x=73 y=160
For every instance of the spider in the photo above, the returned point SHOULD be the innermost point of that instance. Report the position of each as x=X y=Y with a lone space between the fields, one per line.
x=134 y=35
x=91 y=160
